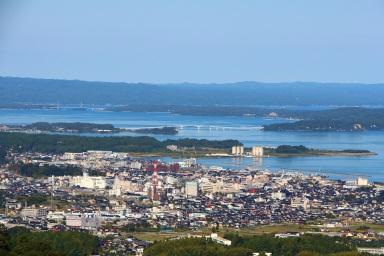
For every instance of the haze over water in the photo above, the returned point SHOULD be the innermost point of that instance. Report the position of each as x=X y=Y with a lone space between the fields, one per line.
x=245 y=129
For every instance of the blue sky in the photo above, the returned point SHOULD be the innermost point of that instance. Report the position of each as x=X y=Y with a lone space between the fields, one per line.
x=201 y=41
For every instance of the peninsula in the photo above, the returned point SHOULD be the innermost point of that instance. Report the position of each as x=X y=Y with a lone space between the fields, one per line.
x=292 y=151
x=149 y=146
x=78 y=127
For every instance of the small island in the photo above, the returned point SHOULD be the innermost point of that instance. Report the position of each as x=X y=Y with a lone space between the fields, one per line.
x=167 y=130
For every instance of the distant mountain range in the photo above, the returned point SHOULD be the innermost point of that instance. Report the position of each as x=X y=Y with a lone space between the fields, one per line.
x=48 y=91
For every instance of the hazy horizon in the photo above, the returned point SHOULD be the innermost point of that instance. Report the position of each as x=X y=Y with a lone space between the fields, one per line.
x=197 y=83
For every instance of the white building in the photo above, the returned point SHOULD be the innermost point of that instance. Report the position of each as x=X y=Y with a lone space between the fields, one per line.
x=209 y=187
x=220 y=240
x=287 y=235
x=56 y=216
x=237 y=150
x=197 y=215
x=13 y=204
x=135 y=165
x=73 y=220
x=374 y=251
x=33 y=212
x=188 y=162
x=191 y=189
x=360 y=181
x=172 y=147
x=86 y=181
x=234 y=150
x=119 y=183
x=299 y=202
x=278 y=195
x=257 y=151
x=90 y=221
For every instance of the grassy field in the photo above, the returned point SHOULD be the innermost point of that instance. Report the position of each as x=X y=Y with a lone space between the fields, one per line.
x=267 y=229
x=154 y=236
x=360 y=227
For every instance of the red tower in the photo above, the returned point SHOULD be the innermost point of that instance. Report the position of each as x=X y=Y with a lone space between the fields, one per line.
x=154 y=194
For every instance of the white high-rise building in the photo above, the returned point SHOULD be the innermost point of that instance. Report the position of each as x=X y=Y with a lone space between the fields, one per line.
x=360 y=181
x=237 y=150
x=257 y=151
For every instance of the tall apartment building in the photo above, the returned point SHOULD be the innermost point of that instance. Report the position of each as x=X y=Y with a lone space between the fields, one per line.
x=237 y=150
x=360 y=181
x=257 y=151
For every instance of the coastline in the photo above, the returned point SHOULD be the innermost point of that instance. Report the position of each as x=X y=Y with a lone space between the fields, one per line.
x=226 y=155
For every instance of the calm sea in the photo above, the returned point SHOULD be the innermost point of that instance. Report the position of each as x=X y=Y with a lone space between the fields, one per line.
x=244 y=129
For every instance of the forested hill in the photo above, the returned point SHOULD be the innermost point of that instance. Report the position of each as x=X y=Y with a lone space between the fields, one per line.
x=342 y=119
x=51 y=143
x=44 y=91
